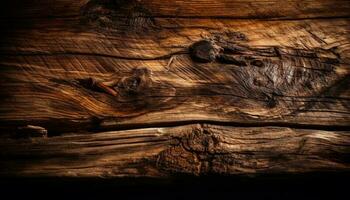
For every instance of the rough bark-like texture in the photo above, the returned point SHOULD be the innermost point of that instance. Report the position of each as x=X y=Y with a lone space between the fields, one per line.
x=195 y=149
x=86 y=67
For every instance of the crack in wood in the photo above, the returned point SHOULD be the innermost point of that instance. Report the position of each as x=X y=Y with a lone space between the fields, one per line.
x=234 y=77
x=178 y=91
x=31 y=131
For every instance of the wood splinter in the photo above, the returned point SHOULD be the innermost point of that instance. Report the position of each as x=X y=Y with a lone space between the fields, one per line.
x=31 y=131
x=95 y=85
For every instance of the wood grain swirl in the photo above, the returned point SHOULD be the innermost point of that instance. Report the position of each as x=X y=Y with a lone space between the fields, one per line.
x=113 y=88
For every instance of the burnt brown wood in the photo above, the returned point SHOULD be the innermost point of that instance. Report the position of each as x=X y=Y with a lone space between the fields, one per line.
x=84 y=67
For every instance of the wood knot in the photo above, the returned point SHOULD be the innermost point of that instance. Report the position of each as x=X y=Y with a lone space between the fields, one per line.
x=117 y=14
x=137 y=83
x=200 y=141
x=204 y=51
x=193 y=153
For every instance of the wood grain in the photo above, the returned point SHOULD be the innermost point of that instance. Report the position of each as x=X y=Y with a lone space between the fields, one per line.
x=155 y=88
x=291 y=9
x=165 y=152
x=303 y=81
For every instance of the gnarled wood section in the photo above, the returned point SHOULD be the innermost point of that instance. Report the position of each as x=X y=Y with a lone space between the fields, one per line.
x=91 y=66
x=195 y=149
x=303 y=78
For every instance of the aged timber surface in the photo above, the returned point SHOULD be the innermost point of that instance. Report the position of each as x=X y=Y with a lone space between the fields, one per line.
x=195 y=149
x=152 y=88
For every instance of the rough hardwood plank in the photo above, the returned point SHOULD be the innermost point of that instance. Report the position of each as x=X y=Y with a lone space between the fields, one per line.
x=88 y=67
x=164 y=152
x=20 y=9
x=303 y=79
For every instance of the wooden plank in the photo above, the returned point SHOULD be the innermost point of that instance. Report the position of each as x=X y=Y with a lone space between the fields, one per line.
x=303 y=81
x=188 y=90
x=291 y=9
x=165 y=152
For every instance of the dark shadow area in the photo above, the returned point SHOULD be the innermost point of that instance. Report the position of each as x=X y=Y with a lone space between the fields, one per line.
x=299 y=186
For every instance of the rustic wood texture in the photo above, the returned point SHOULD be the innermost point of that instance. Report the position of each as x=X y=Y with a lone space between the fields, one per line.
x=163 y=152
x=88 y=67
x=41 y=73
x=187 y=8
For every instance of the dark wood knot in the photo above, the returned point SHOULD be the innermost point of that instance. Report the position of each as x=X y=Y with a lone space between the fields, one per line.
x=137 y=83
x=131 y=84
x=129 y=15
x=204 y=51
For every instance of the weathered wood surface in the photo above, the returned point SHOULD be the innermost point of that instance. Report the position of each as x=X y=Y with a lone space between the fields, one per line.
x=73 y=66
x=41 y=73
x=163 y=152
x=290 y=9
